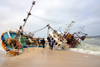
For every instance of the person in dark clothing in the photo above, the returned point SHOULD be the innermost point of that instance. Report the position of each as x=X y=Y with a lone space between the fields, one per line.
x=43 y=42
x=48 y=38
x=53 y=41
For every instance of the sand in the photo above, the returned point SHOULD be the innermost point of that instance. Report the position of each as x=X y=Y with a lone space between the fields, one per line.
x=39 y=57
x=2 y=59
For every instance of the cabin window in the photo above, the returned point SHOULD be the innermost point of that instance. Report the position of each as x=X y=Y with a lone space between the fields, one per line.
x=12 y=35
x=52 y=39
x=6 y=35
x=59 y=45
x=56 y=43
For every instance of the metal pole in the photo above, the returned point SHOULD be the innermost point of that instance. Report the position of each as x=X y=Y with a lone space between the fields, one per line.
x=33 y=3
x=70 y=25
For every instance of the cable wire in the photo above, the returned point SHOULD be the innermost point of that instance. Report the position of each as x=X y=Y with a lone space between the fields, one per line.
x=47 y=19
x=39 y=29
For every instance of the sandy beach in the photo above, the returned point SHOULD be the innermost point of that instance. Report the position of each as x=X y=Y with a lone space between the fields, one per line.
x=39 y=57
x=2 y=59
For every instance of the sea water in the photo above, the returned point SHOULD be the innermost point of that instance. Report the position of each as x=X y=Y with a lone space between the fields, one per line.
x=89 y=46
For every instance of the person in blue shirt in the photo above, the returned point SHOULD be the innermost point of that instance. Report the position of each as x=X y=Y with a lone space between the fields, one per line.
x=53 y=41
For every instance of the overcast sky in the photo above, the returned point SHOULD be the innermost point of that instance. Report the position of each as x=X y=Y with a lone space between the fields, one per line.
x=85 y=13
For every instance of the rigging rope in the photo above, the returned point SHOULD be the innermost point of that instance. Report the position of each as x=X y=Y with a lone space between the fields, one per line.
x=44 y=28
x=39 y=29
x=47 y=19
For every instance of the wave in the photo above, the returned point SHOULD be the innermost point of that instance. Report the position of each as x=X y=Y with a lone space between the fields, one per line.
x=92 y=41
x=85 y=51
x=87 y=48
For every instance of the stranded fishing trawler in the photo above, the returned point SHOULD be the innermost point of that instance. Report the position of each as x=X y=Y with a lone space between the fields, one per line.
x=66 y=39
x=13 y=41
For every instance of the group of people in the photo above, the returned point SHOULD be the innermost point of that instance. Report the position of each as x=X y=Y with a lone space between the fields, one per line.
x=41 y=42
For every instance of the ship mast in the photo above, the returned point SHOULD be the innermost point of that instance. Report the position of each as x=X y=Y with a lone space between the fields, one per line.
x=29 y=13
x=69 y=26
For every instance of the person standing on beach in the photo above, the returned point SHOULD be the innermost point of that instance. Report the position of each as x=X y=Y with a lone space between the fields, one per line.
x=53 y=41
x=48 y=38
x=38 y=42
x=43 y=42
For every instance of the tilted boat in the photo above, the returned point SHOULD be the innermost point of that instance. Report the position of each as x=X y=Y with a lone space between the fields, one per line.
x=12 y=41
x=66 y=39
